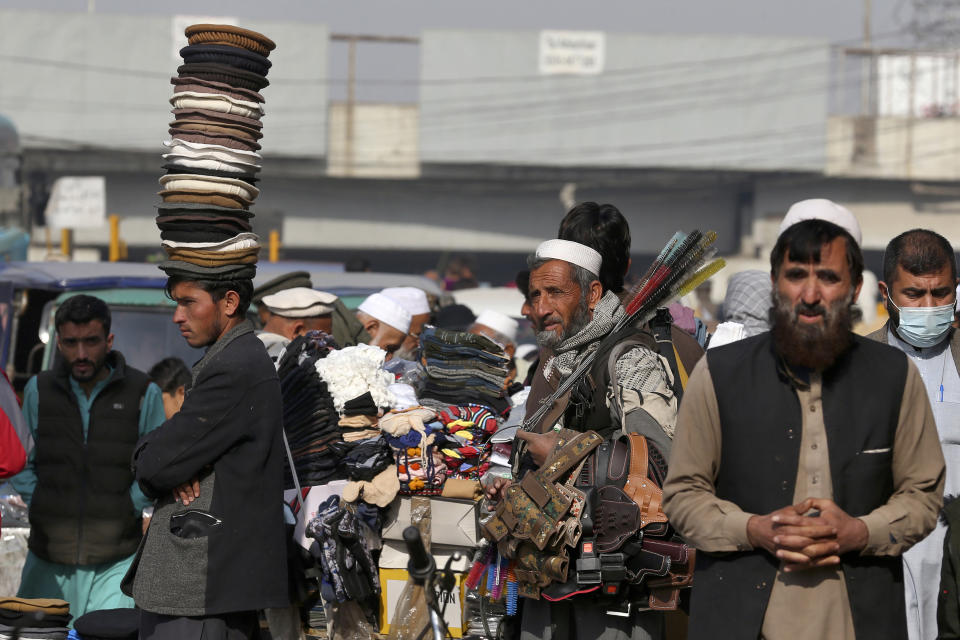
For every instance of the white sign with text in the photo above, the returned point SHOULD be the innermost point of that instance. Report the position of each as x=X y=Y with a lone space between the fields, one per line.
x=77 y=203
x=572 y=52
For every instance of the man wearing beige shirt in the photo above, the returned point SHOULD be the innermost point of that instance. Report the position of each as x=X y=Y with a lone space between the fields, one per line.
x=806 y=460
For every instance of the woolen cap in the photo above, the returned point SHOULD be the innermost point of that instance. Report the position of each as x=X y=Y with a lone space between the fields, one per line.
x=300 y=302
x=211 y=183
x=216 y=102
x=413 y=299
x=234 y=36
x=572 y=252
x=224 y=73
x=822 y=209
x=387 y=311
x=184 y=196
x=286 y=281
x=224 y=54
x=225 y=272
x=186 y=83
x=499 y=322
x=234 y=141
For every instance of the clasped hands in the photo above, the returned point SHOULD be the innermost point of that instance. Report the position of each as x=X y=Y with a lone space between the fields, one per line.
x=804 y=541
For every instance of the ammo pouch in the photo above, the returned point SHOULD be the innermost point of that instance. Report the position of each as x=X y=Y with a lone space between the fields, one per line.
x=590 y=521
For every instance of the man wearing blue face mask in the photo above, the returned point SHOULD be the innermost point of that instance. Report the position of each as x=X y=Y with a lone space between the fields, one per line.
x=919 y=289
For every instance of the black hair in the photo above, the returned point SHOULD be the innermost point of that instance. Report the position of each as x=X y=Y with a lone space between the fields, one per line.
x=802 y=243
x=170 y=374
x=81 y=309
x=919 y=252
x=523 y=283
x=603 y=228
x=218 y=289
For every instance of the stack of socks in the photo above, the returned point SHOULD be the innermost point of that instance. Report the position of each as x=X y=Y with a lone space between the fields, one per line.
x=212 y=158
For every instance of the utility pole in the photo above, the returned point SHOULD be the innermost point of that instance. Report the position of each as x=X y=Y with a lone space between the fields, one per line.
x=867 y=66
x=350 y=115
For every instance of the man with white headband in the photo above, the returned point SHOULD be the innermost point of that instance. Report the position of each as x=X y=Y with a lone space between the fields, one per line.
x=919 y=291
x=627 y=391
x=386 y=322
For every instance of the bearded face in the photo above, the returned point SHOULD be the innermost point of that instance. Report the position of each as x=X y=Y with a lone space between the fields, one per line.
x=814 y=345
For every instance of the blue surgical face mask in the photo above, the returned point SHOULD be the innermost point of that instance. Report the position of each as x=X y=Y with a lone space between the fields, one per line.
x=924 y=326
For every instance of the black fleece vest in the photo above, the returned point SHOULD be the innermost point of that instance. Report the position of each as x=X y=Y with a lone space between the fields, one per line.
x=761 y=425
x=81 y=512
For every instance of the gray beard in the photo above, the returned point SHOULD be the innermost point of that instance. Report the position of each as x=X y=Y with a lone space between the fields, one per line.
x=406 y=354
x=552 y=339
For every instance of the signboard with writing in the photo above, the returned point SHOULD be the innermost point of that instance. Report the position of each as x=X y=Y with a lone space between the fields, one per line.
x=392 y=582
x=572 y=52
x=77 y=203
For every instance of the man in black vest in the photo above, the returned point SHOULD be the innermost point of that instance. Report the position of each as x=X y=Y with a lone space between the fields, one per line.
x=85 y=509
x=215 y=551
x=806 y=459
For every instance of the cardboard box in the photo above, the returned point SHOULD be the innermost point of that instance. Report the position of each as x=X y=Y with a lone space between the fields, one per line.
x=453 y=522
x=392 y=582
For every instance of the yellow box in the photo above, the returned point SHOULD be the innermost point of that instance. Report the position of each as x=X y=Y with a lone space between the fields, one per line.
x=392 y=582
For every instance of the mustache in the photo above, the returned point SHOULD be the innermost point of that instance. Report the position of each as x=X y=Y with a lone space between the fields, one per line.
x=806 y=309
x=553 y=318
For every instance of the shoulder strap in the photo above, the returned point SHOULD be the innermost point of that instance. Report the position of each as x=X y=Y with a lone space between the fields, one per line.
x=662 y=328
x=638 y=339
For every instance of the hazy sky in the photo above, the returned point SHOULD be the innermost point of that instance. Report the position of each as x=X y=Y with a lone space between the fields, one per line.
x=835 y=20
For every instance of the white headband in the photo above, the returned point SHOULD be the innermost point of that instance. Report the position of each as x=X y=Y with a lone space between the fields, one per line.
x=572 y=252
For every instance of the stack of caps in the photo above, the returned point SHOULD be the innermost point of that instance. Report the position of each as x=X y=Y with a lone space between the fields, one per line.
x=309 y=417
x=34 y=618
x=212 y=161
x=462 y=368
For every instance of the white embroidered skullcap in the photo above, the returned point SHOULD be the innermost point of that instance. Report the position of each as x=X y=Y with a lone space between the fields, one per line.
x=413 y=299
x=300 y=302
x=822 y=209
x=499 y=322
x=387 y=311
x=572 y=252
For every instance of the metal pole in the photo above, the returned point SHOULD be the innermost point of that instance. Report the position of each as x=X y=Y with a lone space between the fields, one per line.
x=66 y=237
x=114 y=237
x=274 y=245
x=867 y=64
x=351 y=102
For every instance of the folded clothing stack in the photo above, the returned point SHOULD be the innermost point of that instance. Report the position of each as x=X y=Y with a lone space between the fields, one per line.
x=412 y=435
x=464 y=442
x=212 y=158
x=462 y=368
x=309 y=417
x=34 y=619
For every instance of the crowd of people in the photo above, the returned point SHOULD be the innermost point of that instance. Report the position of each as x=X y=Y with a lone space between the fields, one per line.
x=764 y=472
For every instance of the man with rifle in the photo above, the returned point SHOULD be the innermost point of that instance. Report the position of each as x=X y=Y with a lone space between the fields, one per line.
x=627 y=389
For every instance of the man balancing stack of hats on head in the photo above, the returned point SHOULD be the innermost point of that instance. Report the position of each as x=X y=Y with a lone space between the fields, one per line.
x=214 y=553
x=212 y=161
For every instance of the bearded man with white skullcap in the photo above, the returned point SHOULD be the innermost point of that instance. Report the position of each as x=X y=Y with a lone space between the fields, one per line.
x=628 y=391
